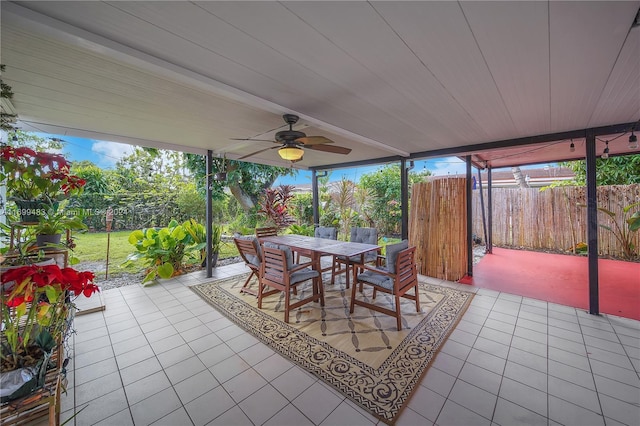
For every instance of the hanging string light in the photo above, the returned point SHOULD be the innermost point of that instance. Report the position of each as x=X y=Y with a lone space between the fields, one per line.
x=633 y=141
x=605 y=153
x=572 y=147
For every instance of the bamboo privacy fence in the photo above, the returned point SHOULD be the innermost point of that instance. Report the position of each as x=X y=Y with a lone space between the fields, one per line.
x=437 y=227
x=553 y=219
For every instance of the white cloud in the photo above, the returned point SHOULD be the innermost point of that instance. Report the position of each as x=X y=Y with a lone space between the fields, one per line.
x=447 y=166
x=111 y=152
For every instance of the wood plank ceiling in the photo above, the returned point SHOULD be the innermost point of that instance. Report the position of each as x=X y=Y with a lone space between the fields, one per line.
x=382 y=78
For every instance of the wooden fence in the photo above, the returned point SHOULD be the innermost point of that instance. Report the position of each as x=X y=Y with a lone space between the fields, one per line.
x=437 y=227
x=554 y=219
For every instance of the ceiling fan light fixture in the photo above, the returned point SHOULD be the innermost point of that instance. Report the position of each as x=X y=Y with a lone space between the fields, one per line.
x=291 y=153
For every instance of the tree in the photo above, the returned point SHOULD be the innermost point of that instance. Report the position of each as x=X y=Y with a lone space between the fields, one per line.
x=620 y=170
x=94 y=176
x=20 y=138
x=385 y=188
x=246 y=181
x=6 y=119
x=520 y=180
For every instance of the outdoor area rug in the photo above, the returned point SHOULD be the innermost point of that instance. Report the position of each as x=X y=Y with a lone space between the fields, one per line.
x=362 y=355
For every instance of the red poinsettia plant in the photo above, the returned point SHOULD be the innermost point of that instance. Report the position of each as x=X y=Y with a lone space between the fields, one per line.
x=36 y=303
x=36 y=175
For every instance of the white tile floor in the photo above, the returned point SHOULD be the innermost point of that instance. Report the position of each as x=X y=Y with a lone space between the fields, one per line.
x=160 y=355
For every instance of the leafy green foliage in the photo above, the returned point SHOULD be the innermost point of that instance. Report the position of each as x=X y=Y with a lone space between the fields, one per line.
x=383 y=196
x=165 y=250
x=301 y=207
x=245 y=180
x=624 y=228
x=307 y=230
x=95 y=177
x=624 y=233
x=6 y=92
x=621 y=170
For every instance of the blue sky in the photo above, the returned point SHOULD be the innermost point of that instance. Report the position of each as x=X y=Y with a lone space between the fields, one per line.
x=105 y=154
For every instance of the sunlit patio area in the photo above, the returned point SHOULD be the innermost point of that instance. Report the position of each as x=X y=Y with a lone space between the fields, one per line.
x=161 y=355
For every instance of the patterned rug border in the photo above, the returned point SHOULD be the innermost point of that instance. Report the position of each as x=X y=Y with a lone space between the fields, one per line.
x=384 y=397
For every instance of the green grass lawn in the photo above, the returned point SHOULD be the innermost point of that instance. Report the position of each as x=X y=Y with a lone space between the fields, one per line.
x=92 y=247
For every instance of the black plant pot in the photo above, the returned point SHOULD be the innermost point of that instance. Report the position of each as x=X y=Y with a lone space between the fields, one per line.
x=48 y=241
x=214 y=260
x=30 y=210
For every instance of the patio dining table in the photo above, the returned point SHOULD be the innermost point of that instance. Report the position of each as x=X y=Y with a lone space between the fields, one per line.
x=314 y=248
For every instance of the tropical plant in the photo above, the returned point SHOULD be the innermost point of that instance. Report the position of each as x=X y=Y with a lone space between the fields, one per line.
x=624 y=234
x=624 y=229
x=57 y=220
x=343 y=200
x=274 y=205
x=24 y=251
x=307 y=230
x=302 y=208
x=35 y=309
x=35 y=175
x=198 y=235
x=166 y=250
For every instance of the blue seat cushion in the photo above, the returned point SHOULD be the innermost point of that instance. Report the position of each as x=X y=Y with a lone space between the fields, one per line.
x=364 y=235
x=376 y=279
x=287 y=252
x=326 y=232
x=302 y=275
x=392 y=254
x=253 y=259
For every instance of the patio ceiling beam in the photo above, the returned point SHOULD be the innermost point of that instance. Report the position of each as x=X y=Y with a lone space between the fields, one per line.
x=530 y=140
x=381 y=160
x=507 y=143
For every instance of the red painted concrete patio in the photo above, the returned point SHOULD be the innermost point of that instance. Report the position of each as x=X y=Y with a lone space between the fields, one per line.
x=561 y=279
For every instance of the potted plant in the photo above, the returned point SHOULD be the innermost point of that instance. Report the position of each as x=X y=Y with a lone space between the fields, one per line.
x=55 y=221
x=36 y=310
x=23 y=251
x=36 y=181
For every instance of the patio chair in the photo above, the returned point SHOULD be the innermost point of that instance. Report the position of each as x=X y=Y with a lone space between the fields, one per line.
x=358 y=235
x=280 y=273
x=397 y=279
x=266 y=232
x=329 y=233
x=250 y=251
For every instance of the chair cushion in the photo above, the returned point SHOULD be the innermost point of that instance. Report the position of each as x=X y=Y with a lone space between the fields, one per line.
x=302 y=275
x=392 y=254
x=326 y=232
x=287 y=252
x=253 y=259
x=364 y=235
x=376 y=279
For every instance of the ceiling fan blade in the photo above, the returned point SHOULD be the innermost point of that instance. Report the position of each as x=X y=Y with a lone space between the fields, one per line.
x=330 y=148
x=257 y=152
x=313 y=140
x=250 y=139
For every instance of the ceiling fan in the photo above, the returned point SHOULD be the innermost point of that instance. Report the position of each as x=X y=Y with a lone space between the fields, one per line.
x=292 y=142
